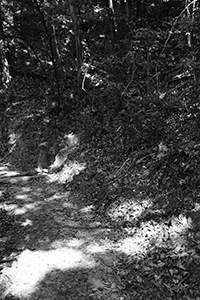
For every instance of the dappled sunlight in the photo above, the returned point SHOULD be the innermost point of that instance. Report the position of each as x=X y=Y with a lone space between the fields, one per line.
x=129 y=209
x=27 y=222
x=99 y=150
x=66 y=235
x=21 y=210
x=8 y=207
x=14 y=177
x=87 y=209
x=138 y=241
x=21 y=202
x=21 y=197
x=32 y=266
x=17 y=209
x=4 y=172
x=178 y=230
x=152 y=234
x=69 y=205
x=38 y=191
x=96 y=247
x=3 y=169
x=56 y=196
x=67 y=173
x=73 y=243
x=26 y=189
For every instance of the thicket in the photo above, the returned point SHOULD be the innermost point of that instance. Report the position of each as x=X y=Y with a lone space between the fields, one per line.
x=123 y=74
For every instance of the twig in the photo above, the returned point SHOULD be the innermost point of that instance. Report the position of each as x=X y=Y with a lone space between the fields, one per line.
x=122 y=166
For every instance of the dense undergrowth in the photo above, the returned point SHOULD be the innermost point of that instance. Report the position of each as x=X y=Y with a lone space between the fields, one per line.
x=146 y=154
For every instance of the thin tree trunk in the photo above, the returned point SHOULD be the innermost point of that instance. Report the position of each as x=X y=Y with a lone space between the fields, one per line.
x=58 y=60
x=5 y=82
x=112 y=23
x=5 y=79
x=73 y=9
x=53 y=54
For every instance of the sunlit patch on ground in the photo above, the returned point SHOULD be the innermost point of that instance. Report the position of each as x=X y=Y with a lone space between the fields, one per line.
x=27 y=222
x=87 y=209
x=70 y=237
x=149 y=234
x=129 y=209
x=21 y=196
x=26 y=189
x=67 y=173
x=3 y=169
x=31 y=267
x=17 y=210
x=54 y=197
x=4 y=172
x=102 y=247
x=72 y=243
x=152 y=234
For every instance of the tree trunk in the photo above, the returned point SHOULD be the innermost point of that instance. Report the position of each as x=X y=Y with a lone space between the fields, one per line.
x=5 y=82
x=73 y=10
x=5 y=79
x=53 y=50
x=122 y=20
x=111 y=21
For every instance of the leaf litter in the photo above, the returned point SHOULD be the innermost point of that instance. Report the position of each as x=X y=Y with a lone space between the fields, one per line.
x=67 y=251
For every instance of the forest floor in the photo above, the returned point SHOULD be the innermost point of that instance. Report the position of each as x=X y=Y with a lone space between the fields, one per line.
x=65 y=250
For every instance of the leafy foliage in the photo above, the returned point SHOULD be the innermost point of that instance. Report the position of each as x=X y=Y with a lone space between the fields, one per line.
x=125 y=76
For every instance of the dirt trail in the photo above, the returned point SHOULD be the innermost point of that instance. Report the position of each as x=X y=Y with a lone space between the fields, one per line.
x=67 y=252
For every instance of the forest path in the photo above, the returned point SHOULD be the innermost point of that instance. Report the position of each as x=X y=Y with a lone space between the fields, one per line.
x=67 y=252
